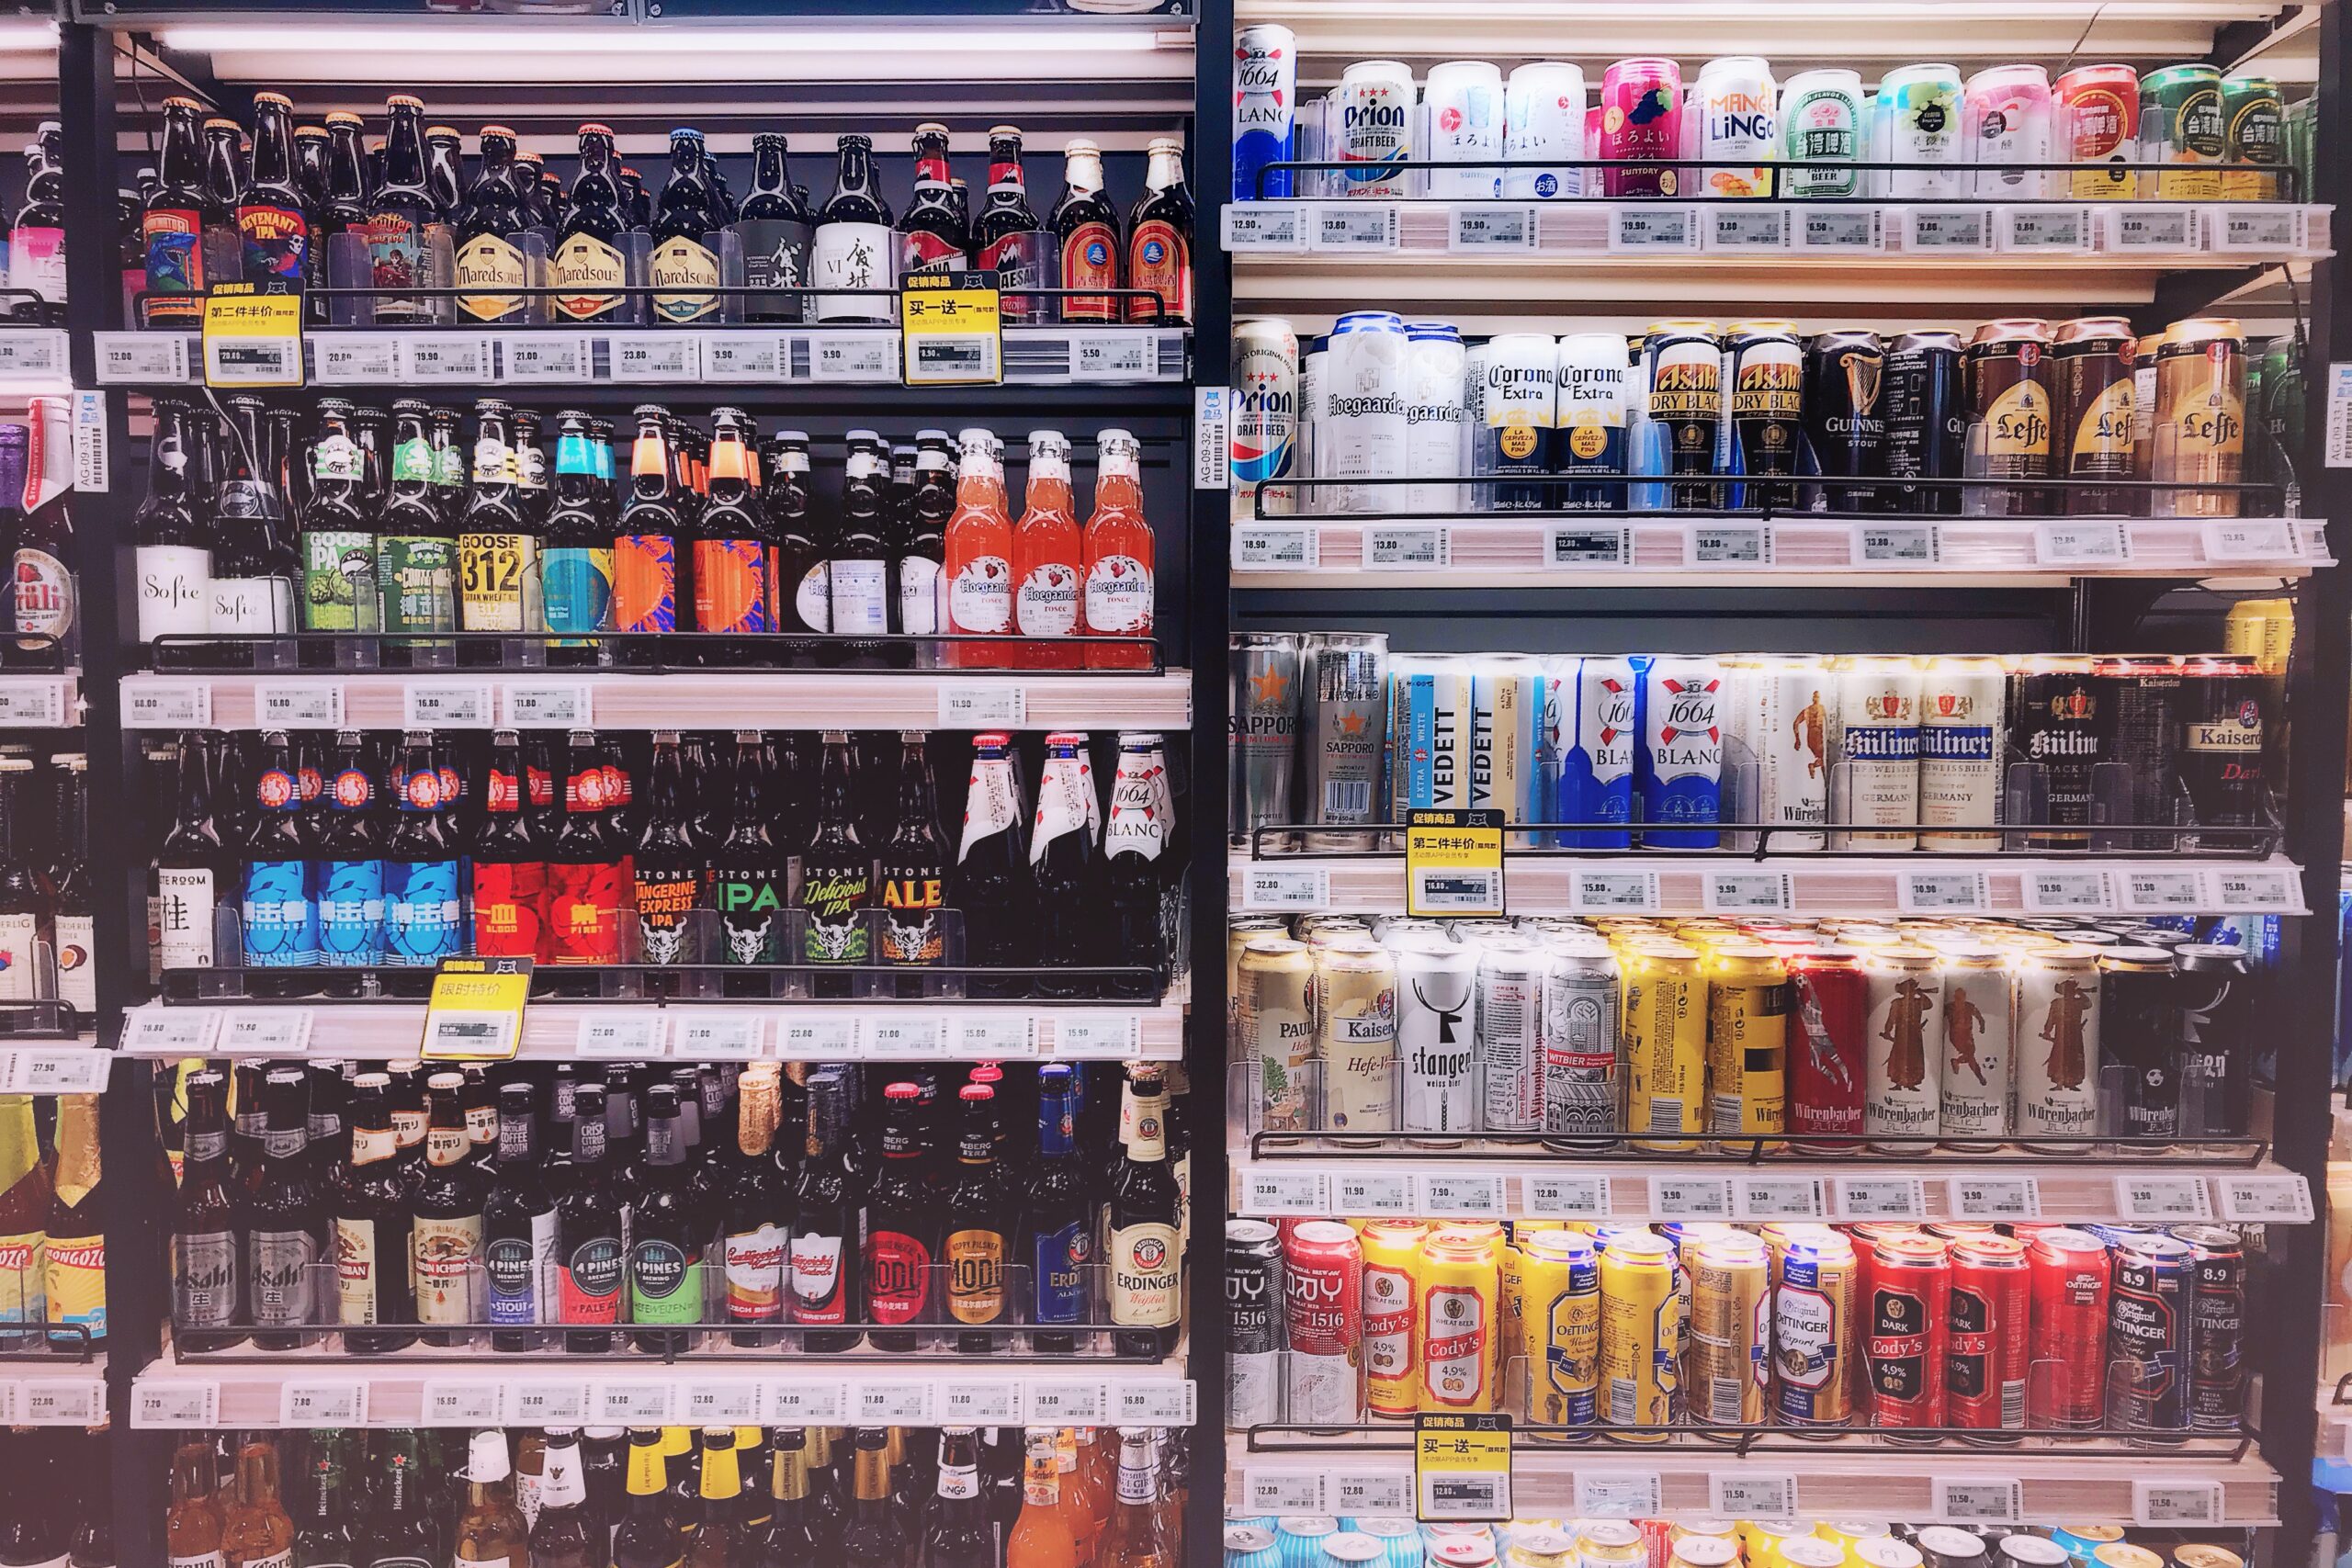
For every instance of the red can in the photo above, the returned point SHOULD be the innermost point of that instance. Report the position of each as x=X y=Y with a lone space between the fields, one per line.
x=1985 y=1354
x=1909 y=1319
x=1866 y=1235
x=1828 y=1051
x=1323 y=1311
x=2098 y=111
x=2070 y=1274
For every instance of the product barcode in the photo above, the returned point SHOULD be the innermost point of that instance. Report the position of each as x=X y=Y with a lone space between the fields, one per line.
x=1622 y=1401
x=1666 y=1116
x=2012 y=1405
x=1724 y=1396
x=1346 y=800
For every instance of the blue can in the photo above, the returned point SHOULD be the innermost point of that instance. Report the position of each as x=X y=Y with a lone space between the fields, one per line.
x=1678 y=767
x=1298 y=1539
x=1251 y=1546
x=280 y=919
x=1598 y=739
x=1265 y=110
x=2147 y=1339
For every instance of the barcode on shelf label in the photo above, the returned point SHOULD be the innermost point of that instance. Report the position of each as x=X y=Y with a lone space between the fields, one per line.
x=2052 y=890
x=1282 y=1491
x=310 y=1403
x=745 y=357
x=1465 y=1495
x=1353 y=226
x=1485 y=227
x=566 y=357
x=1733 y=228
x=167 y=705
x=2269 y=228
x=1729 y=544
x=553 y=1403
x=1978 y=1502
x=821 y=1037
x=628 y=1035
x=1745 y=1494
x=732 y=1403
x=1595 y=891
x=76 y=1071
x=1106 y=357
x=1778 y=1197
x=1649 y=228
x=439 y=705
x=854 y=356
x=175 y=1401
x=355 y=358
x=1154 y=1402
x=143 y=357
x=2162 y=1199
x=2039 y=227
x=1943 y=892
x=976 y=1404
x=1568 y=1197
x=2175 y=1502
x=1268 y=1189
x=896 y=1034
x=62 y=1402
x=2081 y=542
x=1463 y=1197
x=1746 y=892
x=1380 y=1494
x=1212 y=438
x=2254 y=889
x=640 y=1402
x=1457 y=890
x=982 y=705
x=268 y=1032
x=2140 y=227
x=799 y=1403
x=1848 y=229
x=1285 y=887
x=730 y=1036
x=1690 y=1197
x=35 y=702
x=1879 y=1198
x=1381 y=1193
x=456 y=357
x=1266 y=226
x=551 y=705
x=2253 y=538
x=1066 y=1401
x=462 y=1404
x=1948 y=229
x=1897 y=544
x=1276 y=547
x=1994 y=1198
x=1112 y=1035
x=2153 y=890
x=989 y=1034
x=298 y=704
x=1587 y=547
x=2283 y=1198
x=1620 y=1494
x=655 y=357
x=1398 y=549
x=159 y=1030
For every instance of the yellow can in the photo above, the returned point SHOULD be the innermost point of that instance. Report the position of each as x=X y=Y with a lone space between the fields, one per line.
x=1749 y=1003
x=1640 y=1313
x=1541 y=1546
x=1510 y=1306
x=1392 y=1261
x=1810 y=1552
x=1559 y=1338
x=2123 y=1554
x=1666 y=1043
x=1731 y=1331
x=1611 y=1543
x=1844 y=1534
x=1760 y=1542
x=1454 y=1328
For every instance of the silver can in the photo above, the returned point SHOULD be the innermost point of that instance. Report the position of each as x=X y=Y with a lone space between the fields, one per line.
x=1979 y=1048
x=1903 y=1092
x=1262 y=752
x=1314 y=361
x=1434 y=359
x=1264 y=443
x=1362 y=434
x=1544 y=118
x=2058 y=1046
x=1436 y=1002
x=1344 y=726
x=1510 y=1034
x=1581 y=1044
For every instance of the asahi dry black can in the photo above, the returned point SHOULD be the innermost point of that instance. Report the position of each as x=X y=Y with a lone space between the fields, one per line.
x=2094 y=360
x=2010 y=412
x=1927 y=421
x=1845 y=414
x=1767 y=410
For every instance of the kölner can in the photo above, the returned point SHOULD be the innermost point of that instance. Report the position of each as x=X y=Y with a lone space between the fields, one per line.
x=1821 y=128
x=1560 y=1327
x=1590 y=434
x=1509 y=1035
x=2181 y=126
x=1927 y=421
x=1665 y=1045
x=1748 y=1003
x=2148 y=1339
x=1641 y=117
x=1641 y=1378
x=2008 y=117
x=1678 y=765
x=1265 y=419
x=2217 y=1366
x=2253 y=124
x=1323 y=1320
x=1276 y=1024
x=1731 y=1331
x=1903 y=1093
x=1360 y=431
x=1582 y=1082
x=1455 y=1327
x=1877 y=746
x=1434 y=362
x=1392 y=1259
x=1544 y=118
x=1265 y=99
x=1923 y=106
x=1737 y=105
x=1355 y=1025
x=1374 y=132
x=1845 y=415
x=1766 y=371
x=2012 y=413
x=2092 y=366
x=1685 y=403
x=1514 y=439
x=1436 y=1002
x=2200 y=417
x=1430 y=734
x=1960 y=755
x=1253 y=1300
x=1812 y=1329
x=1464 y=99
x=1977 y=1035
x=2097 y=122
x=1988 y=1355
x=2058 y=1047
x=1829 y=1048
x=1597 y=742
x=2061 y=722
x=1263 y=741
x=1344 y=727
x=1910 y=1313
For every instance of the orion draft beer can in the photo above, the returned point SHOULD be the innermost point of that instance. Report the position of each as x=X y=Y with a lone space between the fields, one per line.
x=1265 y=419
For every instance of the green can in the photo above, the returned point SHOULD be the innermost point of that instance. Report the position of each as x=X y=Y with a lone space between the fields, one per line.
x=2254 y=128
x=2282 y=408
x=338 y=580
x=2181 y=126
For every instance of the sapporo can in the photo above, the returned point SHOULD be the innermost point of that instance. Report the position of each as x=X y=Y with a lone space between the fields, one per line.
x=2099 y=123
x=1977 y=1059
x=2216 y=1327
x=1909 y=1315
x=1640 y=1378
x=2181 y=127
x=1277 y=1029
x=2254 y=126
x=1354 y=1000
x=2058 y=1046
x=1987 y=1355
x=1454 y=1328
x=1323 y=1317
x=1560 y=1327
x=2068 y=1275
x=1344 y=710
x=1392 y=1255
x=1665 y=1045
x=1812 y=1329
x=1748 y=1003
x=1828 y=1048
x=1731 y=1331
x=1903 y=1093
x=1582 y=1078
x=2148 y=1339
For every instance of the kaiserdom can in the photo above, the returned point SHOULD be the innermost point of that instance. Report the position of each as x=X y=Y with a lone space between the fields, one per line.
x=1392 y=1258
x=1731 y=1331
x=1747 y=1020
x=1665 y=1045
x=1560 y=1327
x=1453 y=1329
x=1640 y=1378
x=2200 y=417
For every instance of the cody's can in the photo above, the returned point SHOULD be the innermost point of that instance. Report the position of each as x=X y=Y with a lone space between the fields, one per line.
x=1640 y=1313
x=1641 y=117
x=1598 y=741
x=1923 y=106
x=1736 y=104
x=1812 y=1329
x=2008 y=115
x=2216 y=1327
x=1748 y=1003
x=1373 y=130
x=1581 y=1046
x=2148 y=1338
x=1265 y=101
x=1731 y=1331
x=1263 y=741
x=1519 y=413
x=1436 y=986
x=1342 y=728
x=2253 y=124
x=1454 y=1328
x=1988 y=1350
x=1960 y=761
x=1909 y=1314
x=1464 y=105
x=1876 y=743
x=1560 y=1325
x=1767 y=369
x=1821 y=127
x=1927 y=421
x=1589 y=437
x=1254 y=1309
x=1323 y=1319
x=1685 y=401
x=1544 y=118
x=1276 y=1024
x=2068 y=1272
x=1265 y=417
x=1355 y=1034
x=2199 y=436
x=1976 y=1048
x=2092 y=365
x=1829 y=1048
x=2010 y=412
x=1678 y=766
x=2059 y=721
x=2058 y=1046
x=1509 y=1035
x=2097 y=122
x=1665 y=1045
x=1435 y=363
x=2181 y=127
x=1903 y=1092
x=1392 y=1257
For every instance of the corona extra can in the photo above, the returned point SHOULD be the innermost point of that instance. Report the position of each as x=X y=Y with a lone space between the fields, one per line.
x=1749 y=1003
x=1960 y=754
x=2148 y=1338
x=1731 y=1331
x=1903 y=1091
x=1277 y=1026
x=1640 y=1378
x=1560 y=1327
x=1976 y=1033
x=1812 y=1329
x=1392 y=1257
x=1354 y=1000
x=1909 y=1310
x=1987 y=1353
x=1828 y=1048
x=1582 y=1083
x=2057 y=1046
x=1665 y=1045
x=2068 y=1276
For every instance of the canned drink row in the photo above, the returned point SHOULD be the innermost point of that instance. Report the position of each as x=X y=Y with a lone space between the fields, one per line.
x=1694 y=415
x=1965 y=1328
x=1891 y=753
x=1525 y=136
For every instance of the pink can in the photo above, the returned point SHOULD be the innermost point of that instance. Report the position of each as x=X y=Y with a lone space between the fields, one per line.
x=1641 y=117
x=2008 y=114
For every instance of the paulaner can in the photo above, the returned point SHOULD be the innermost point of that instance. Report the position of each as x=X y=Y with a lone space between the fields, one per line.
x=1686 y=399
x=1265 y=99
x=1582 y=1086
x=1323 y=1319
x=1344 y=727
x=1812 y=1329
x=1665 y=1045
x=1987 y=1353
x=1977 y=1036
x=1904 y=1091
x=1876 y=742
x=1454 y=1331
x=1828 y=1048
x=1845 y=415
x=1254 y=1309
x=2069 y=1273
x=1436 y=982
x=1521 y=413
x=1640 y=1377
x=1263 y=731
x=1749 y=1003
x=1355 y=1034
x=1641 y=117
x=1768 y=406
x=2058 y=1046
x=1960 y=761
x=2099 y=122
x=2148 y=1339
x=1590 y=420
x=1275 y=1023
x=1678 y=767
x=1731 y=1331
x=1560 y=1327
x=1509 y=1035
x=1927 y=421
x=1392 y=1260
x=1597 y=742
x=2093 y=367
x=2216 y=1327
x=1265 y=416
x=1910 y=1318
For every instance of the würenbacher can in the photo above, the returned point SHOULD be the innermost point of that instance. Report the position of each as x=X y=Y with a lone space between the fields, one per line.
x=1665 y=1045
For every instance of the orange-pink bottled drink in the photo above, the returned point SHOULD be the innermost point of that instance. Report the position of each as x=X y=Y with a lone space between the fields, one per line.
x=1118 y=548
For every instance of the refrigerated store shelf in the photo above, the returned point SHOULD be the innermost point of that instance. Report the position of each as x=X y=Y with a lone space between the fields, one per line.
x=71 y=1393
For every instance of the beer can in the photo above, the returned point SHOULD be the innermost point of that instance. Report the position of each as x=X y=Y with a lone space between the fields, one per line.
x=1828 y=1048
x=1597 y=742
x=1254 y=1314
x=1748 y=1003
x=1685 y=403
x=1313 y=360
x=2008 y=117
x=2010 y=412
x=1812 y=1329
x=2217 y=1365
x=1372 y=133
x=1507 y=769
x=1581 y=1044
x=1436 y=982
x=1731 y=1331
x=1821 y=127
x=2069 y=1273
x=1590 y=419
x=2254 y=126
x=1768 y=408
x=1988 y=1351
x=1241 y=931
x=1641 y=117
x=1909 y=1313
x=1738 y=104
x=1276 y=1025
x=1775 y=722
x=2181 y=126
x=2148 y=1339
x=2059 y=723
x=1435 y=363
x=1810 y=1552
x=1903 y=1093
x=1355 y=1034
x=1265 y=96
x=2140 y=1044
x=1845 y=416
x=1430 y=722
x=1946 y=1546
x=1392 y=1261
x=1640 y=1376
x=1977 y=1040
x=1960 y=753
x=1521 y=414
x=2092 y=365
x=2123 y=1554
x=1265 y=416
x=1927 y=421
x=1453 y=1329
x=1463 y=100
x=1344 y=727
x=1610 y=1543
x=1361 y=429
x=2142 y=695
x=1264 y=730
x=1544 y=118
x=1560 y=1327
x=1323 y=1320
x=1876 y=743
x=1665 y=1045
x=2098 y=111
x=2217 y=1029
x=2199 y=437
x=2058 y=1046
x=1924 y=105
x=2222 y=750
x=1509 y=1035
x=1678 y=766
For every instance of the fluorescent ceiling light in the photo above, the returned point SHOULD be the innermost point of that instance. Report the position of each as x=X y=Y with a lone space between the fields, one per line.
x=28 y=35
x=276 y=38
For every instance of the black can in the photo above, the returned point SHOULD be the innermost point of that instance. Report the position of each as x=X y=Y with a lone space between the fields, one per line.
x=1767 y=411
x=2147 y=1339
x=1927 y=421
x=2142 y=694
x=1253 y=1305
x=2216 y=1327
x=2139 y=1043
x=2221 y=749
x=1845 y=415
x=2059 y=725
x=2216 y=993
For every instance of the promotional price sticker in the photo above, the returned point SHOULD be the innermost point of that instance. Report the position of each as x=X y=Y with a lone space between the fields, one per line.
x=952 y=326
x=1454 y=862
x=1461 y=1468
x=252 y=338
x=475 y=1013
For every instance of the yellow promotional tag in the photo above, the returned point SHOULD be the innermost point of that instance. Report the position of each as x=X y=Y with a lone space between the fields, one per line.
x=1461 y=1468
x=952 y=326
x=252 y=338
x=475 y=1013
x=1454 y=862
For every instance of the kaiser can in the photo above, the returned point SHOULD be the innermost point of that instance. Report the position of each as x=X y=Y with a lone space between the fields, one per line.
x=1465 y=103
x=2199 y=437
x=1581 y=1044
x=1509 y=1035
x=1597 y=743
x=1829 y=1048
x=1276 y=1024
x=1520 y=410
x=1355 y=1024
x=1434 y=366
x=1343 y=725
x=1392 y=1261
x=1560 y=1327
x=1323 y=1321
x=2009 y=119
x=1903 y=1093
x=1960 y=756
x=1812 y=1329
x=1989 y=1353
x=1641 y=117
x=1436 y=986
x=1544 y=118
x=1678 y=766
x=1360 y=433
x=2221 y=750
x=1372 y=133
x=2098 y=111
x=2058 y=1046
x=2253 y=124
x=1454 y=1328
x=1977 y=1041
x=1591 y=437
x=1927 y=421
x=2181 y=126
x=1924 y=108
x=2217 y=1368
x=1265 y=96
x=1665 y=1045
x=1265 y=419
x=2059 y=720
x=1640 y=1377
x=2148 y=1339
x=1731 y=1331
x=1821 y=127
x=1876 y=742
x=1686 y=402
x=1263 y=731
x=2092 y=363
x=1768 y=406
x=1254 y=1312
x=1737 y=105
x=2010 y=413
x=2140 y=1046
x=2216 y=1032
x=1909 y=1314
x=1749 y=1003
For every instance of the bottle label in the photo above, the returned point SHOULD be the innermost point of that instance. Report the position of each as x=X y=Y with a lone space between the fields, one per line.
x=586 y=269
x=448 y=1254
x=510 y=908
x=174 y=239
x=918 y=596
x=75 y=1276
x=77 y=982
x=24 y=1276
x=281 y=926
x=981 y=599
x=1144 y=1270
x=910 y=928
x=812 y=601
x=18 y=934
x=755 y=1263
x=338 y=577
x=183 y=909
x=335 y=457
x=590 y=1289
x=283 y=1274
x=276 y=243
x=661 y=1283
x=584 y=911
x=251 y=606
x=920 y=250
x=396 y=259
x=1135 y=826
x=46 y=599
x=682 y=264
x=488 y=262
x=748 y=903
x=449 y=466
x=959 y=1483
x=175 y=590
x=1118 y=595
x=1021 y=260
x=775 y=256
x=861 y=596
x=37 y=261
x=898 y=1277
x=351 y=913
x=664 y=898
x=421 y=924
x=200 y=1560
x=498 y=577
x=579 y=589
x=1159 y=259
x=852 y=256
x=834 y=899
x=513 y=1265
x=419 y=583
x=976 y=1276
x=1090 y=260
x=645 y=583
x=991 y=804
x=1057 y=1260
x=275 y=1560
x=731 y=585
x=817 y=1280
x=1063 y=794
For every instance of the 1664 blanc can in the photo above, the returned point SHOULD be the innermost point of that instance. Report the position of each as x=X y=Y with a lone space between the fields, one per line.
x=1323 y=1319
x=1265 y=100
x=2069 y=1273
x=1665 y=1045
x=1254 y=1306
x=1582 y=1046
x=2148 y=1338
x=1560 y=1325
x=1903 y=1091
x=1678 y=766
x=1392 y=1260
x=1749 y=1003
x=1978 y=1054
x=1640 y=1313
x=1598 y=742
x=1355 y=1034
x=1436 y=986
x=1812 y=1329
x=2058 y=1046
x=2217 y=1366
x=1988 y=1356
x=1731 y=1331
x=1453 y=1329
x=1828 y=1048
x=1910 y=1317
x=1276 y=1026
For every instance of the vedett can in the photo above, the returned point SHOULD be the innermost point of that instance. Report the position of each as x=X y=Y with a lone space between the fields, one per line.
x=1254 y=1312
x=1960 y=760
x=1323 y=1321
x=1989 y=1350
x=2217 y=1270
x=1436 y=986
x=1430 y=726
x=1812 y=1329
x=1910 y=1313
x=2148 y=1339
x=1263 y=731
x=1828 y=1048
x=2068 y=1274
x=1265 y=418
x=1581 y=1048
x=1344 y=678
x=1265 y=105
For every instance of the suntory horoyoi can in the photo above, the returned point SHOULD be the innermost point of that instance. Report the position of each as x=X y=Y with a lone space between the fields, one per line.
x=2058 y=1046
x=1392 y=1261
x=1731 y=1331
x=1355 y=1024
x=1927 y=421
x=1665 y=1045
x=1275 y=1021
x=1463 y=100
x=1812 y=1329
x=1959 y=751
x=1429 y=728
x=2008 y=115
x=1453 y=1329
x=1903 y=1092
x=1598 y=738
x=1520 y=414
x=1544 y=118
x=1360 y=425
x=1977 y=1036
x=1749 y=1003
x=1923 y=105
x=1877 y=748
x=1678 y=766
x=1253 y=1300
x=1373 y=130
x=1590 y=420
x=1737 y=105
x=1343 y=725
x=1436 y=1002
x=1263 y=731
x=1641 y=117
x=1560 y=1325
x=1821 y=126
x=1434 y=365
x=1640 y=1313
x=1265 y=418
x=1509 y=1035
x=1582 y=1082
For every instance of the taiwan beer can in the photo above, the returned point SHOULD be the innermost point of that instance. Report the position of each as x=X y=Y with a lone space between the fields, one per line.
x=1464 y=125
x=2254 y=125
x=1767 y=407
x=1521 y=411
x=1590 y=420
x=1436 y=986
x=1343 y=726
x=1582 y=1081
x=1360 y=433
x=1265 y=419
x=1927 y=421
x=1665 y=1045
x=1737 y=105
x=2097 y=122
x=1960 y=755
x=2058 y=1047
x=1355 y=1025
x=2008 y=120
x=1731 y=1331
x=1976 y=1036
x=1683 y=374
x=1677 y=764
x=1265 y=100
x=1812 y=1329
x=1254 y=1309
x=1323 y=1323
x=2199 y=437
x=2181 y=127
x=1509 y=1035
x=2092 y=366
x=1560 y=1327
x=1903 y=1093
x=1910 y=1313
x=1876 y=744
x=1821 y=127
x=1597 y=743
x=2011 y=415
x=1641 y=117
x=2140 y=1044
x=1543 y=118
x=1392 y=1261
x=1454 y=1328
x=1829 y=1048
x=2059 y=725
x=1275 y=1021
x=1988 y=1354
x=2217 y=1361
x=1748 y=1003
x=1923 y=105
x=1435 y=363
x=1641 y=1377
x=2148 y=1338
x=1373 y=131
x=1264 y=722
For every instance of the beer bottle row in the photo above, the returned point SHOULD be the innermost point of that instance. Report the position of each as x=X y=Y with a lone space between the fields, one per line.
x=809 y=1210
x=57 y=1496
x=363 y=520
x=52 y=1228
x=403 y=224
x=825 y=853
x=47 y=940
x=653 y=1497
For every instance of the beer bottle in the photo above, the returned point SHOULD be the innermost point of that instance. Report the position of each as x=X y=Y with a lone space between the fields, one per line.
x=174 y=559
x=1047 y=550
x=901 y=1224
x=774 y=226
x=224 y=188
x=1135 y=845
x=498 y=549
x=259 y=1533
x=1066 y=869
x=756 y=1204
x=37 y=242
x=588 y=1252
x=646 y=1538
x=253 y=565
x=588 y=268
x=446 y=1238
x=192 y=1524
x=957 y=1532
x=684 y=267
x=1041 y=1537
x=275 y=235
x=979 y=564
x=28 y=911
x=873 y=1536
x=731 y=590
x=821 y=1253
x=171 y=222
x=665 y=1235
x=1117 y=551
x=858 y=569
x=343 y=209
x=401 y=1526
x=444 y=158
x=932 y=236
x=531 y=474
x=749 y=877
x=509 y=866
x=1055 y=1243
x=47 y=592
x=277 y=907
x=371 y=1227
x=565 y=1534
x=668 y=865
x=1007 y=239
x=795 y=1532
x=716 y=1540
x=402 y=219
x=1086 y=234
x=286 y=1222
x=489 y=260
x=1145 y=1255
x=1159 y=239
x=490 y=1530
x=992 y=886
x=649 y=581
x=635 y=202
x=913 y=867
x=585 y=873
x=979 y=1201
x=918 y=545
x=799 y=576
x=73 y=1258
x=417 y=541
x=326 y=1533
x=71 y=897
x=330 y=1100
x=518 y=1226
x=1132 y=1539
x=420 y=910
x=310 y=171
x=192 y=869
x=852 y=247
x=208 y=1253
x=576 y=567
x=836 y=877
x=408 y=1121
x=338 y=535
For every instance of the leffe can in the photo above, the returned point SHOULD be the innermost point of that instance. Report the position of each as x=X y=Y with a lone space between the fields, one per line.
x=1812 y=1329
x=1265 y=417
x=1264 y=730
x=1254 y=1313
x=1678 y=767
x=1821 y=127
x=1265 y=100
x=1731 y=1331
x=2092 y=363
x=1876 y=744
x=1665 y=1045
x=2217 y=1270
x=1560 y=1327
x=1927 y=421
x=1768 y=405
x=1355 y=1034
x=1924 y=109
x=1544 y=118
x=1598 y=742
x=1590 y=420
x=1509 y=1035
x=1988 y=1351
x=2010 y=412
x=1737 y=106
x=2097 y=109
x=2254 y=126
x=1960 y=753
x=2069 y=1273
x=1392 y=1260
x=1344 y=727
x=1373 y=131
x=1828 y=1048
x=1323 y=1320
x=2199 y=437
x=1903 y=1093
x=2148 y=1339
x=1454 y=1328
x=1749 y=1003
x=2059 y=721
x=1977 y=1036
x=1641 y=117
x=1582 y=1086
x=1276 y=1026
x=1436 y=986
x=1910 y=1316
x=2181 y=127
x=2058 y=1046
x=1640 y=1316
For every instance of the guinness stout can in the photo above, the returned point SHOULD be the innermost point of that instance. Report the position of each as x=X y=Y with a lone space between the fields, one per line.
x=1767 y=406
x=1845 y=417
x=1927 y=421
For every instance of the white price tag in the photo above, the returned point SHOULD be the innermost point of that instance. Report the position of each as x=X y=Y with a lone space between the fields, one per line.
x=1620 y=1494
x=1741 y=227
x=1879 y=1198
x=1985 y=1197
x=1978 y=1502
x=734 y=1402
x=455 y=357
x=27 y=352
x=2156 y=890
x=2267 y=1200
x=1264 y=226
x=2135 y=228
x=62 y=1402
x=854 y=356
x=982 y=705
x=143 y=357
x=1485 y=227
x=1729 y=544
x=2162 y=1199
x=817 y=1037
x=2252 y=539
x=1212 y=438
x=1285 y=887
x=268 y=1032
x=626 y=1035
x=1943 y=892
x=1567 y=1197
x=1393 y=548
x=446 y=706
x=1778 y=1197
x=2036 y=226
x=1380 y=1192
x=1690 y=1197
x=1273 y=1189
x=1111 y=1034
x=719 y=1036
x=1357 y=227
x=74 y=1071
x=468 y=1404
x=2272 y=227
x=1380 y=1494
x=1898 y=545
x=1747 y=1494
x=902 y=1034
x=1067 y=1401
x=1843 y=229
x=552 y=1403
x=1648 y=228
x=2175 y=1502
x=655 y=357
x=745 y=357
x=1945 y=230
x=174 y=1402
x=1746 y=892
x=34 y=702
x=2058 y=890
x=298 y=704
x=166 y=704
x=1569 y=548
x=159 y=1030
x=1604 y=890
x=1465 y=1495
x=972 y=1404
x=2083 y=542
x=2240 y=889
x=635 y=1401
x=310 y=1403
x=1282 y=1491
x=355 y=358
x=1276 y=547
x=1457 y=890
x=1109 y=356
x=541 y=358
x=1458 y=1196
x=551 y=705
x=985 y=1036
x=800 y=1404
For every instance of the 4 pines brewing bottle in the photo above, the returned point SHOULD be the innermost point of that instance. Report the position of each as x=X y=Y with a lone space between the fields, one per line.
x=836 y=877
x=665 y=1234
x=1086 y=232
x=591 y=1258
x=933 y=235
x=1007 y=239
x=489 y=262
x=684 y=267
x=852 y=247
x=775 y=226
x=589 y=270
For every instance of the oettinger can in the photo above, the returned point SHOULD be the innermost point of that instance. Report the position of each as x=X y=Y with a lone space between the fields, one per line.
x=1910 y=1316
x=2216 y=1327
x=1828 y=1047
x=1748 y=1003
x=2148 y=1338
x=1392 y=1256
x=1812 y=1329
x=1731 y=1331
x=1903 y=1091
x=1640 y=1312
x=1665 y=1045
x=1323 y=1316
x=1560 y=1327
x=2068 y=1274
x=1987 y=1355
x=1453 y=1329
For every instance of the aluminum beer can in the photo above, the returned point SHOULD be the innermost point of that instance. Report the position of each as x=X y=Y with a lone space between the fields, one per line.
x=2058 y=1046
x=1729 y=1368
x=1314 y=359
x=2059 y=720
x=1343 y=725
x=1454 y=1328
x=1582 y=1082
x=2217 y=1361
x=1845 y=415
x=1678 y=766
x=2254 y=126
x=1361 y=431
x=1521 y=413
x=1276 y=1026
x=1392 y=1261
x=1947 y=1546
x=2008 y=120
x=1430 y=730
x=1436 y=1003
x=1927 y=421
x=1903 y=1093
x=2097 y=122
x=1560 y=1327
x=1829 y=1048
x=1909 y=1315
x=1253 y=1303
x=2181 y=126
x=1355 y=1034
x=2011 y=412
x=1665 y=1045
x=1812 y=1329
x=1590 y=438
x=2092 y=366
x=1978 y=1053
x=1506 y=769
x=1241 y=931
x=1960 y=753
x=2148 y=1339
x=1685 y=401
x=1263 y=749
x=1923 y=107
x=1509 y=1035
x=1265 y=419
x=1988 y=1352
x=1373 y=130
x=2200 y=436
x=1776 y=727
x=1323 y=1319
x=1821 y=126
x=1766 y=379
x=1877 y=746
x=1544 y=118
x=1434 y=365
x=2140 y=1044
x=1738 y=104
x=1641 y=117
x=1599 y=739
x=1464 y=99
x=1641 y=1377
x=1266 y=98
x=2216 y=1032
x=1749 y=1003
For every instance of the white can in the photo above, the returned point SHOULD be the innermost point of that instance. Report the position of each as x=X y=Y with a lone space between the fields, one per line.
x=1510 y=1035
x=1363 y=433
x=1821 y=122
x=1307 y=459
x=1902 y=1091
x=2008 y=115
x=1776 y=724
x=1922 y=106
x=1960 y=753
x=1876 y=742
x=1521 y=413
x=1430 y=729
x=1738 y=104
x=1544 y=118
x=2058 y=1046
x=1265 y=99
x=1474 y=402
x=1434 y=362
x=1264 y=443
x=1464 y=104
x=1371 y=131
x=1591 y=408
x=1506 y=737
x=1436 y=1010
x=1978 y=1048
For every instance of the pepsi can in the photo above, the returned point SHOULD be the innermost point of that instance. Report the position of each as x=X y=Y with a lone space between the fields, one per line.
x=1372 y=133
x=1434 y=363
x=1265 y=418
x=1520 y=410
x=1463 y=102
x=1544 y=118
x=1590 y=434
x=1265 y=96
x=1598 y=739
x=1678 y=767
